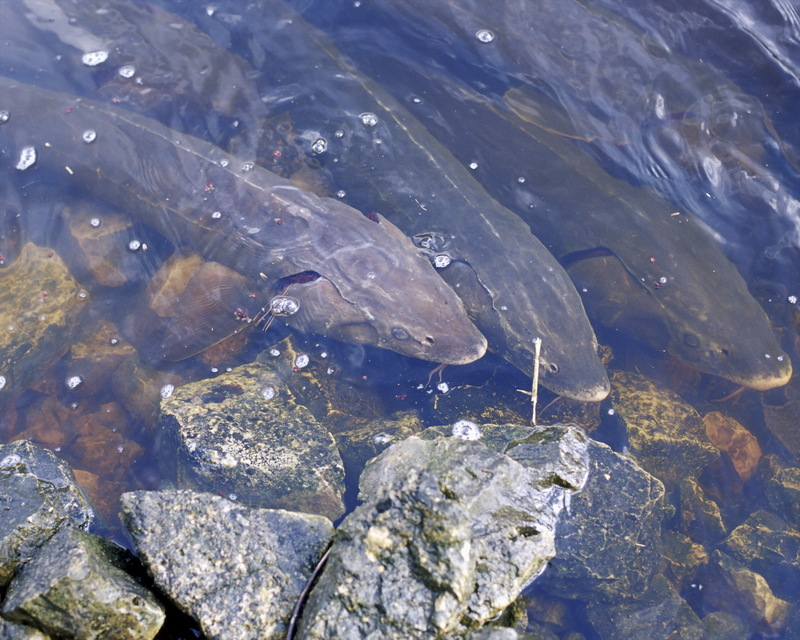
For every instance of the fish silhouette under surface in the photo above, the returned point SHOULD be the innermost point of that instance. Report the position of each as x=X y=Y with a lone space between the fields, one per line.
x=241 y=216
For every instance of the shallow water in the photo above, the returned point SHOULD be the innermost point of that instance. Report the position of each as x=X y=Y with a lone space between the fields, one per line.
x=696 y=100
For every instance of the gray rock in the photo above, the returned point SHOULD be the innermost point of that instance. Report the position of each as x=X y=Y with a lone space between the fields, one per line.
x=769 y=546
x=74 y=588
x=721 y=625
x=493 y=633
x=660 y=613
x=449 y=533
x=243 y=434
x=11 y=631
x=609 y=537
x=782 y=487
x=38 y=495
x=734 y=588
x=238 y=571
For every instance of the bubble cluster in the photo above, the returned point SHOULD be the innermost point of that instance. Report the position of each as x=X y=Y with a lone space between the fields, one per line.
x=369 y=119
x=466 y=430
x=27 y=157
x=166 y=391
x=284 y=306
x=301 y=361
x=442 y=260
x=320 y=145
x=268 y=393
x=128 y=71
x=93 y=58
x=73 y=382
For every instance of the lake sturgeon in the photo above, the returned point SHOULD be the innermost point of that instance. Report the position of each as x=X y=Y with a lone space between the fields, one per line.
x=241 y=216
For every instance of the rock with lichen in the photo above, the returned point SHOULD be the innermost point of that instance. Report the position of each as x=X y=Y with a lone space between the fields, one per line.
x=38 y=496
x=238 y=571
x=242 y=434
x=449 y=533
x=76 y=586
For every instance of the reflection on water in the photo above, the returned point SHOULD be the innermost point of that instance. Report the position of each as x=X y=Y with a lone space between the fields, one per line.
x=695 y=101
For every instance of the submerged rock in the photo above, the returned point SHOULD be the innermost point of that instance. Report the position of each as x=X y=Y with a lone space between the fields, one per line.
x=40 y=305
x=75 y=587
x=244 y=435
x=237 y=571
x=38 y=496
x=659 y=613
x=609 y=538
x=449 y=534
x=12 y=631
x=665 y=434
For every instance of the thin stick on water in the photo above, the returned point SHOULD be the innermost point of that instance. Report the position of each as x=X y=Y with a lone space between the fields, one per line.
x=537 y=350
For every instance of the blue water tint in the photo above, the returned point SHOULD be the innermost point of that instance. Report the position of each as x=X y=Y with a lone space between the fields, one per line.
x=695 y=101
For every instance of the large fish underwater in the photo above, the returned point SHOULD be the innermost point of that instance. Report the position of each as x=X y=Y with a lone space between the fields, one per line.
x=642 y=266
x=381 y=160
x=242 y=216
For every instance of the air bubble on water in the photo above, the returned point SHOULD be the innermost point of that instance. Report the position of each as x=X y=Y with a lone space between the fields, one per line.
x=792 y=299
x=611 y=412
x=167 y=390
x=120 y=448
x=93 y=58
x=5 y=116
x=26 y=158
x=441 y=261
x=466 y=430
x=339 y=133
x=82 y=295
x=3 y=382
x=319 y=145
x=274 y=352
x=127 y=71
x=371 y=275
x=484 y=35
x=10 y=460
x=113 y=342
x=301 y=361
x=214 y=369
x=134 y=245
x=662 y=280
x=521 y=179
x=341 y=193
x=268 y=393
x=381 y=438
x=779 y=359
x=369 y=119
x=473 y=165
x=443 y=387
x=210 y=10
x=284 y=306
x=89 y=136
x=216 y=215
x=224 y=163
x=95 y=222
x=73 y=381
x=248 y=166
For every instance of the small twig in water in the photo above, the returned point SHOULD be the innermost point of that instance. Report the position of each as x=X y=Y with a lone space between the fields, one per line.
x=537 y=350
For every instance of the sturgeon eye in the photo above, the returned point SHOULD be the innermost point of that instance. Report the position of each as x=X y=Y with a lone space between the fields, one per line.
x=398 y=333
x=691 y=340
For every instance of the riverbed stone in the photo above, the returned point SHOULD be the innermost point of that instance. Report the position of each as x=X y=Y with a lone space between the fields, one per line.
x=12 y=631
x=659 y=613
x=238 y=571
x=609 y=538
x=40 y=307
x=738 y=590
x=38 y=496
x=781 y=487
x=243 y=434
x=769 y=546
x=75 y=587
x=448 y=535
x=665 y=434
